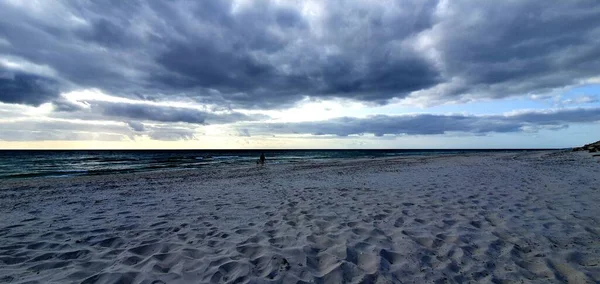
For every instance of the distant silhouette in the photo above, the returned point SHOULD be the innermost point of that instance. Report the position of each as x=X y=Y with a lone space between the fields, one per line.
x=262 y=158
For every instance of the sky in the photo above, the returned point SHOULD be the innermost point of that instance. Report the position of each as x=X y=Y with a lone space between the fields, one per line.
x=214 y=74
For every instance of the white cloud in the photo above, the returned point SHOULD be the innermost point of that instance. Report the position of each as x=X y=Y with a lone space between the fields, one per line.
x=18 y=64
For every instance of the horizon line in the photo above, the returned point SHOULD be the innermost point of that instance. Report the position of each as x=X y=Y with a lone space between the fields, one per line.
x=274 y=149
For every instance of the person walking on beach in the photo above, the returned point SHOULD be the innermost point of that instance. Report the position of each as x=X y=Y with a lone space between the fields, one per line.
x=262 y=159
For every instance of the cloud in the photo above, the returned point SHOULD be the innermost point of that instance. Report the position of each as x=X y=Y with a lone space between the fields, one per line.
x=495 y=50
x=158 y=113
x=171 y=134
x=63 y=105
x=37 y=130
x=556 y=117
x=144 y=112
x=22 y=88
x=271 y=54
x=243 y=132
x=95 y=105
x=49 y=135
x=583 y=99
x=429 y=124
x=136 y=126
x=62 y=130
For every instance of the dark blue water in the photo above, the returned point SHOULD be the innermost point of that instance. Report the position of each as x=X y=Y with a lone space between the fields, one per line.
x=41 y=163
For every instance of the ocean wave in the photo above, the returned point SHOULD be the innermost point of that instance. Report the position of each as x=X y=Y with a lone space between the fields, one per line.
x=45 y=174
x=33 y=164
x=224 y=157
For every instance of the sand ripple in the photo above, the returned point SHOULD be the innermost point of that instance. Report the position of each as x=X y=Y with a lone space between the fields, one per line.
x=495 y=218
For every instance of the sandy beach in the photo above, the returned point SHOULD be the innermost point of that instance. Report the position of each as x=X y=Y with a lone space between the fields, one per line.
x=529 y=217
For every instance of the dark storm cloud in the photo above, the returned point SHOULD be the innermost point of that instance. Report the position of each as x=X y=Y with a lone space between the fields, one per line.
x=262 y=54
x=500 y=49
x=30 y=89
x=427 y=124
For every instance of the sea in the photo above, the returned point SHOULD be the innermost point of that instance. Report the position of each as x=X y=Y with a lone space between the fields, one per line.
x=16 y=164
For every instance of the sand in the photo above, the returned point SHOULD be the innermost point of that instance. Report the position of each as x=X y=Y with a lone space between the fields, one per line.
x=485 y=218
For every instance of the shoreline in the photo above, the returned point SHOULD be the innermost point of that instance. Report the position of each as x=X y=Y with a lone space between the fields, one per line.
x=110 y=165
x=492 y=217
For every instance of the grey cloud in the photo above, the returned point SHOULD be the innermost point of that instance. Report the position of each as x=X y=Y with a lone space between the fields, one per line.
x=271 y=55
x=136 y=126
x=57 y=135
x=144 y=112
x=244 y=132
x=576 y=115
x=252 y=57
x=164 y=133
x=22 y=88
x=63 y=105
x=9 y=112
x=33 y=130
x=171 y=134
x=429 y=124
x=501 y=49
x=167 y=114
x=33 y=125
x=106 y=33
x=53 y=39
